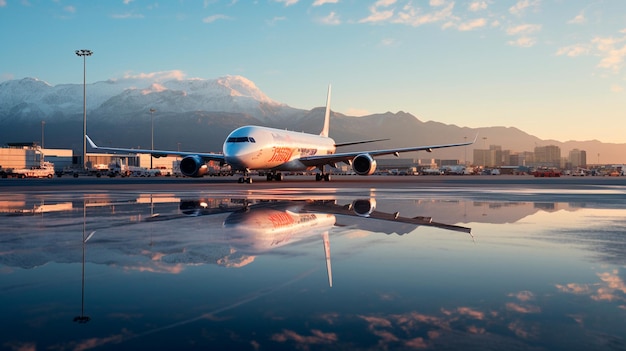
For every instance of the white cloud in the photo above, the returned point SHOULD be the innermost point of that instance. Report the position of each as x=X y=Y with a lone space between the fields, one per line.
x=331 y=19
x=3 y=3
x=612 y=50
x=154 y=88
x=617 y=88
x=389 y=42
x=126 y=2
x=414 y=16
x=126 y=15
x=213 y=18
x=410 y=14
x=522 y=5
x=158 y=76
x=580 y=18
x=471 y=25
x=573 y=50
x=523 y=29
x=379 y=16
x=436 y=3
x=524 y=42
x=288 y=2
x=477 y=6
x=376 y=16
x=70 y=9
x=275 y=20
x=322 y=2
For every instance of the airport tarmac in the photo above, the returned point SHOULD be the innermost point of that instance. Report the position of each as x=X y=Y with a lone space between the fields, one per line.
x=306 y=182
x=359 y=263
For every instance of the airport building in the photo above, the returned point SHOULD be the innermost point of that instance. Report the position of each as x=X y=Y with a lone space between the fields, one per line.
x=30 y=155
x=578 y=158
x=548 y=156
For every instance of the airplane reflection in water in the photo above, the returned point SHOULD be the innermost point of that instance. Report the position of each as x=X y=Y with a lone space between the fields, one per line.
x=257 y=226
x=223 y=231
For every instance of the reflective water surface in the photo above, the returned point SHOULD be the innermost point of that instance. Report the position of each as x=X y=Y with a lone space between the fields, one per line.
x=317 y=270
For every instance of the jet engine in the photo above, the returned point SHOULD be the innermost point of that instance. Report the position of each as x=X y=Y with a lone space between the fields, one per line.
x=364 y=164
x=364 y=207
x=193 y=166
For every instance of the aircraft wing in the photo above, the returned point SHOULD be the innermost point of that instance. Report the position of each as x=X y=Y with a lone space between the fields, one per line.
x=159 y=153
x=320 y=160
x=347 y=210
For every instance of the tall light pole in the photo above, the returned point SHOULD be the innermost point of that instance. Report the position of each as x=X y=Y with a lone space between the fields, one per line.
x=152 y=111
x=43 y=123
x=84 y=53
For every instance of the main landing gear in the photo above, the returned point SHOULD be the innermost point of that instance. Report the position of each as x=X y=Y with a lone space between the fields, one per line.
x=322 y=176
x=246 y=178
x=277 y=176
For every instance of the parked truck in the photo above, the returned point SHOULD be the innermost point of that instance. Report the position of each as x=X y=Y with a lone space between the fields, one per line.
x=546 y=172
x=45 y=170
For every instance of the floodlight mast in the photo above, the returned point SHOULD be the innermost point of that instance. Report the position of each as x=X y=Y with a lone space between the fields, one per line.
x=152 y=111
x=84 y=53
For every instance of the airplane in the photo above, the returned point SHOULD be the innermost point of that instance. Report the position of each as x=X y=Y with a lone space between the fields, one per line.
x=274 y=151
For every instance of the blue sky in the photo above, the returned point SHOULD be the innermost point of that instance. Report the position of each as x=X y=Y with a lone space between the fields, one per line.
x=553 y=68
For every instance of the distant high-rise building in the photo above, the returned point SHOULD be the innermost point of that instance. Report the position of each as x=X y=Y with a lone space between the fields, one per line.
x=483 y=157
x=548 y=156
x=578 y=158
x=496 y=152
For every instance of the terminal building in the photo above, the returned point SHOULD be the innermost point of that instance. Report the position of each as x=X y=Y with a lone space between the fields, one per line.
x=30 y=155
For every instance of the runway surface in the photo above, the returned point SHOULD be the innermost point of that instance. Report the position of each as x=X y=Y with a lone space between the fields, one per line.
x=338 y=181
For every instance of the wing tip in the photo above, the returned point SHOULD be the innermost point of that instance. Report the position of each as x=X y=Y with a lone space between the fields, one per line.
x=91 y=143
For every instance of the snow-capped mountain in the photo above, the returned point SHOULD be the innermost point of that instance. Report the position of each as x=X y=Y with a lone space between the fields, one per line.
x=32 y=98
x=199 y=114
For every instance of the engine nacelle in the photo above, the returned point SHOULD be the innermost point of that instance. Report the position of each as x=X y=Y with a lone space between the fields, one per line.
x=364 y=164
x=193 y=166
x=364 y=208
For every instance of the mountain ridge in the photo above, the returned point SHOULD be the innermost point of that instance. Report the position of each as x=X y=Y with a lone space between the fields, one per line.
x=197 y=114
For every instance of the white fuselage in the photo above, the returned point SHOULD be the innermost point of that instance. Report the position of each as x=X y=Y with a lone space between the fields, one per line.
x=254 y=147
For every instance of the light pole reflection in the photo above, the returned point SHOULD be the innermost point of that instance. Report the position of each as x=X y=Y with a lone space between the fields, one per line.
x=83 y=318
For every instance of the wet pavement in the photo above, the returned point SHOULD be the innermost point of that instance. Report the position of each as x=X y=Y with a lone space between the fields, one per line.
x=396 y=263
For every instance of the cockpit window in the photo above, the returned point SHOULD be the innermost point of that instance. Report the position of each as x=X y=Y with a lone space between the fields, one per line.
x=240 y=140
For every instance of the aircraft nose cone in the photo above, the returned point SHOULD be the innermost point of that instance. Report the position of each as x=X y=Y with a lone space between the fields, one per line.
x=236 y=153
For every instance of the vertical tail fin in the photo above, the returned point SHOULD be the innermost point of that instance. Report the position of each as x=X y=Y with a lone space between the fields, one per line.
x=329 y=270
x=326 y=115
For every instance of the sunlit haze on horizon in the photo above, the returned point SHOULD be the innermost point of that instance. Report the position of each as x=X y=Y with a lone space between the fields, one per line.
x=552 y=68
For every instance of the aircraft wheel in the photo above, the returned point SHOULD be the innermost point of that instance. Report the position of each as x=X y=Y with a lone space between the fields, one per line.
x=240 y=180
x=327 y=177
x=270 y=177
x=248 y=180
x=318 y=177
x=279 y=177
